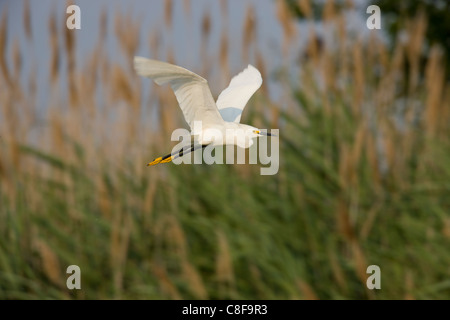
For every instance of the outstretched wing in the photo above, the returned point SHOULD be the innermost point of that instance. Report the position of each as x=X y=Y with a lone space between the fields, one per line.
x=232 y=100
x=192 y=91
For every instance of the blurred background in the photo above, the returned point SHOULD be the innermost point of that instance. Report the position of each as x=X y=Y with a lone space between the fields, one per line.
x=364 y=174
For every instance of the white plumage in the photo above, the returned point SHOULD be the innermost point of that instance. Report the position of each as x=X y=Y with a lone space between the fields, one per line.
x=192 y=91
x=232 y=100
x=198 y=106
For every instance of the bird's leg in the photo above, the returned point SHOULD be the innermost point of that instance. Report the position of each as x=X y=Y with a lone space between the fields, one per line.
x=177 y=154
x=164 y=159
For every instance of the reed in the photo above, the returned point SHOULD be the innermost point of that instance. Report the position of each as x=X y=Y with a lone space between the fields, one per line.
x=363 y=176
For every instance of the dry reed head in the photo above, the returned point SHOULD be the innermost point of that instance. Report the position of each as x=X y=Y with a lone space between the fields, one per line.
x=103 y=27
x=3 y=45
x=249 y=32
x=123 y=90
x=307 y=290
x=194 y=280
x=55 y=56
x=329 y=11
x=416 y=29
x=285 y=17
x=127 y=30
x=359 y=79
x=224 y=263
x=119 y=242
x=206 y=26
x=409 y=285
x=305 y=8
x=166 y=285
x=50 y=262
x=434 y=79
x=223 y=57
x=359 y=261
x=168 y=11
x=27 y=19
x=69 y=41
x=17 y=61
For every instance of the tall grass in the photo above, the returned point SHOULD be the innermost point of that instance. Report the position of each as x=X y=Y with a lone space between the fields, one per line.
x=364 y=176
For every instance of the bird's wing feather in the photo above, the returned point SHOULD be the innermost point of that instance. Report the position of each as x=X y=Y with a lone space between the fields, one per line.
x=232 y=100
x=191 y=90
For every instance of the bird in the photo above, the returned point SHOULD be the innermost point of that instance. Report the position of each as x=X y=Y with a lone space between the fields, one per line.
x=198 y=106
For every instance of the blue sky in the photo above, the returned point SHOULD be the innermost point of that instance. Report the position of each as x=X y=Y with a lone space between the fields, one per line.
x=184 y=37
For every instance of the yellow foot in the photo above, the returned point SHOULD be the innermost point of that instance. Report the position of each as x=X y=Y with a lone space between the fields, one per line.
x=156 y=161
x=167 y=159
x=160 y=160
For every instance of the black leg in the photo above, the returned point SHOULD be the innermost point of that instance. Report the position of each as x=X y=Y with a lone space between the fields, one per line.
x=177 y=154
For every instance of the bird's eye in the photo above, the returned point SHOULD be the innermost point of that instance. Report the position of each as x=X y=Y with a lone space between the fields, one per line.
x=256 y=131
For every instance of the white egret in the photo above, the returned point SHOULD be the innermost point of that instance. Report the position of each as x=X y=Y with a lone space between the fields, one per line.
x=198 y=106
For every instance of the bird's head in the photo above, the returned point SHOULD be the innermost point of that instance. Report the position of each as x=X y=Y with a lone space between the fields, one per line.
x=244 y=134
x=255 y=132
x=260 y=133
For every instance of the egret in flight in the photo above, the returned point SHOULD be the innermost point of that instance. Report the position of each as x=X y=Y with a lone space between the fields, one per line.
x=198 y=106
